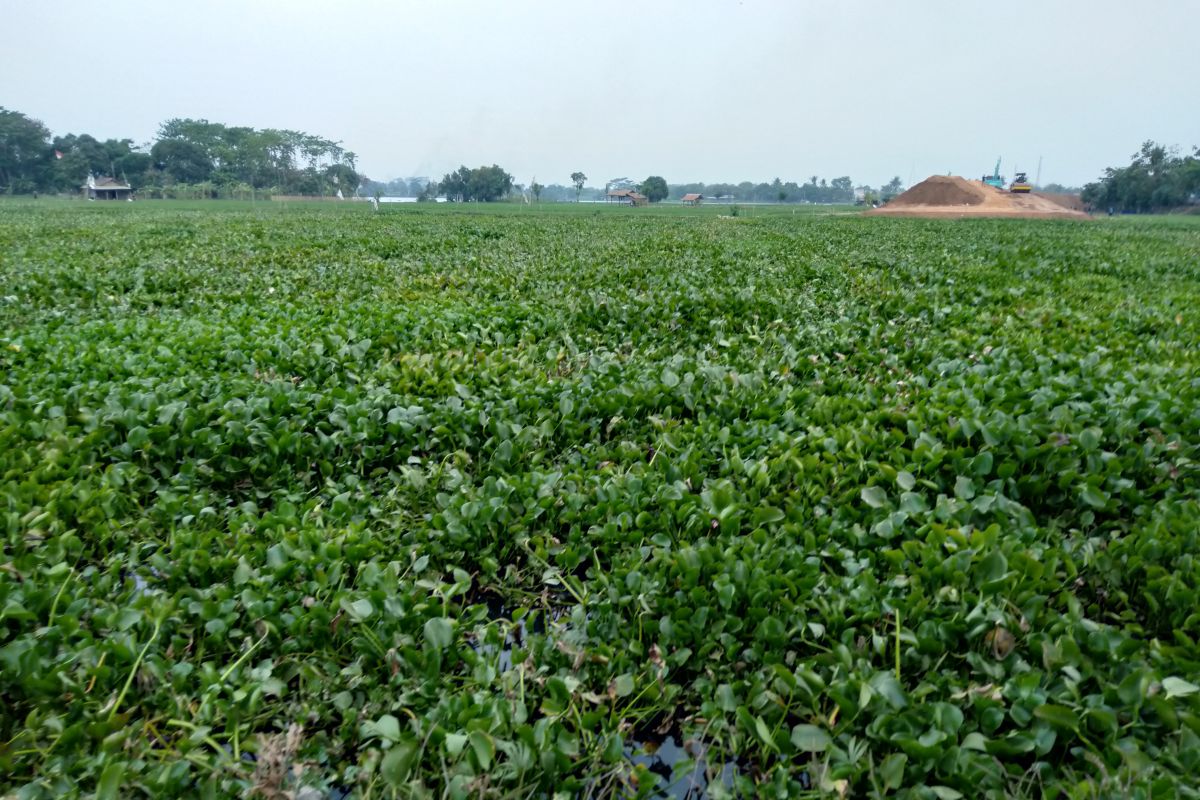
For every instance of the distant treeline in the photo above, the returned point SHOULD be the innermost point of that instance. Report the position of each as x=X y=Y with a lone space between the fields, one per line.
x=816 y=190
x=196 y=158
x=398 y=187
x=189 y=157
x=1158 y=178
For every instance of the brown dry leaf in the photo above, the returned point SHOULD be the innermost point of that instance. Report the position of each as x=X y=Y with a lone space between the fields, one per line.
x=1001 y=641
x=656 y=656
x=989 y=690
x=275 y=754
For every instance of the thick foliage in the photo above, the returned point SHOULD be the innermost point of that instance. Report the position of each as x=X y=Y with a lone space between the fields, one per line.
x=479 y=185
x=429 y=501
x=1156 y=178
x=191 y=157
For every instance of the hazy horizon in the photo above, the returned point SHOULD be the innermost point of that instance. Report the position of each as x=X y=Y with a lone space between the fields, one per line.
x=696 y=92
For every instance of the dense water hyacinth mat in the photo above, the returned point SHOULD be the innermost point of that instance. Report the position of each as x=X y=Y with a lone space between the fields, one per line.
x=516 y=503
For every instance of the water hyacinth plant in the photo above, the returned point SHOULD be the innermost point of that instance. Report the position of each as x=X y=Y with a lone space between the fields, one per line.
x=433 y=502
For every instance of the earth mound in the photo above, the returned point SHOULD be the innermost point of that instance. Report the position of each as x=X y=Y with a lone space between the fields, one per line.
x=940 y=190
x=952 y=196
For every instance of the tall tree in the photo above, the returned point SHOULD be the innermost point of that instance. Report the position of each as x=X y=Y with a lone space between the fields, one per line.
x=481 y=185
x=579 y=179
x=655 y=188
x=490 y=183
x=184 y=161
x=24 y=153
x=618 y=183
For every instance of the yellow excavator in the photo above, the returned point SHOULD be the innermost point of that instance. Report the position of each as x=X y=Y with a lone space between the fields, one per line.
x=1020 y=184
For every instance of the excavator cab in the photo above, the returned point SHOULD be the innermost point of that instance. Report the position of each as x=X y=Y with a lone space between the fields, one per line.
x=995 y=179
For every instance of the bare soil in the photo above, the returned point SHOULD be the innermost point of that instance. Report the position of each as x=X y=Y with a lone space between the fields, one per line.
x=952 y=196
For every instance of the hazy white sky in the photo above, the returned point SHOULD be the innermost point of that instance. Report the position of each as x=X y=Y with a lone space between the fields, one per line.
x=694 y=90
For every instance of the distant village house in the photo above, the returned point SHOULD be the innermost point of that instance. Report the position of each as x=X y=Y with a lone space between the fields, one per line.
x=693 y=199
x=107 y=189
x=628 y=197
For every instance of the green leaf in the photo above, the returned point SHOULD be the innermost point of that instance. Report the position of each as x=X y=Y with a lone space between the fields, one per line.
x=623 y=685
x=1093 y=497
x=397 y=763
x=764 y=732
x=975 y=741
x=945 y=793
x=139 y=437
x=455 y=742
x=992 y=567
x=1178 y=687
x=874 y=496
x=669 y=378
x=1058 y=716
x=725 y=698
x=765 y=515
x=388 y=727
x=484 y=749
x=360 y=609
x=242 y=573
x=912 y=503
x=439 y=632
x=614 y=748
x=905 y=480
x=892 y=770
x=1014 y=743
x=885 y=684
x=810 y=739
x=964 y=488
x=109 y=785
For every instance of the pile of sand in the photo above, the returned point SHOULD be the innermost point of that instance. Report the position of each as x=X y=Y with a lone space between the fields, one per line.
x=952 y=196
x=940 y=190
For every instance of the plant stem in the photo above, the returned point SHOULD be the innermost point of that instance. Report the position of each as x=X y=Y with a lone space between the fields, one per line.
x=242 y=658
x=897 y=644
x=57 y=597
x=133 y=670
